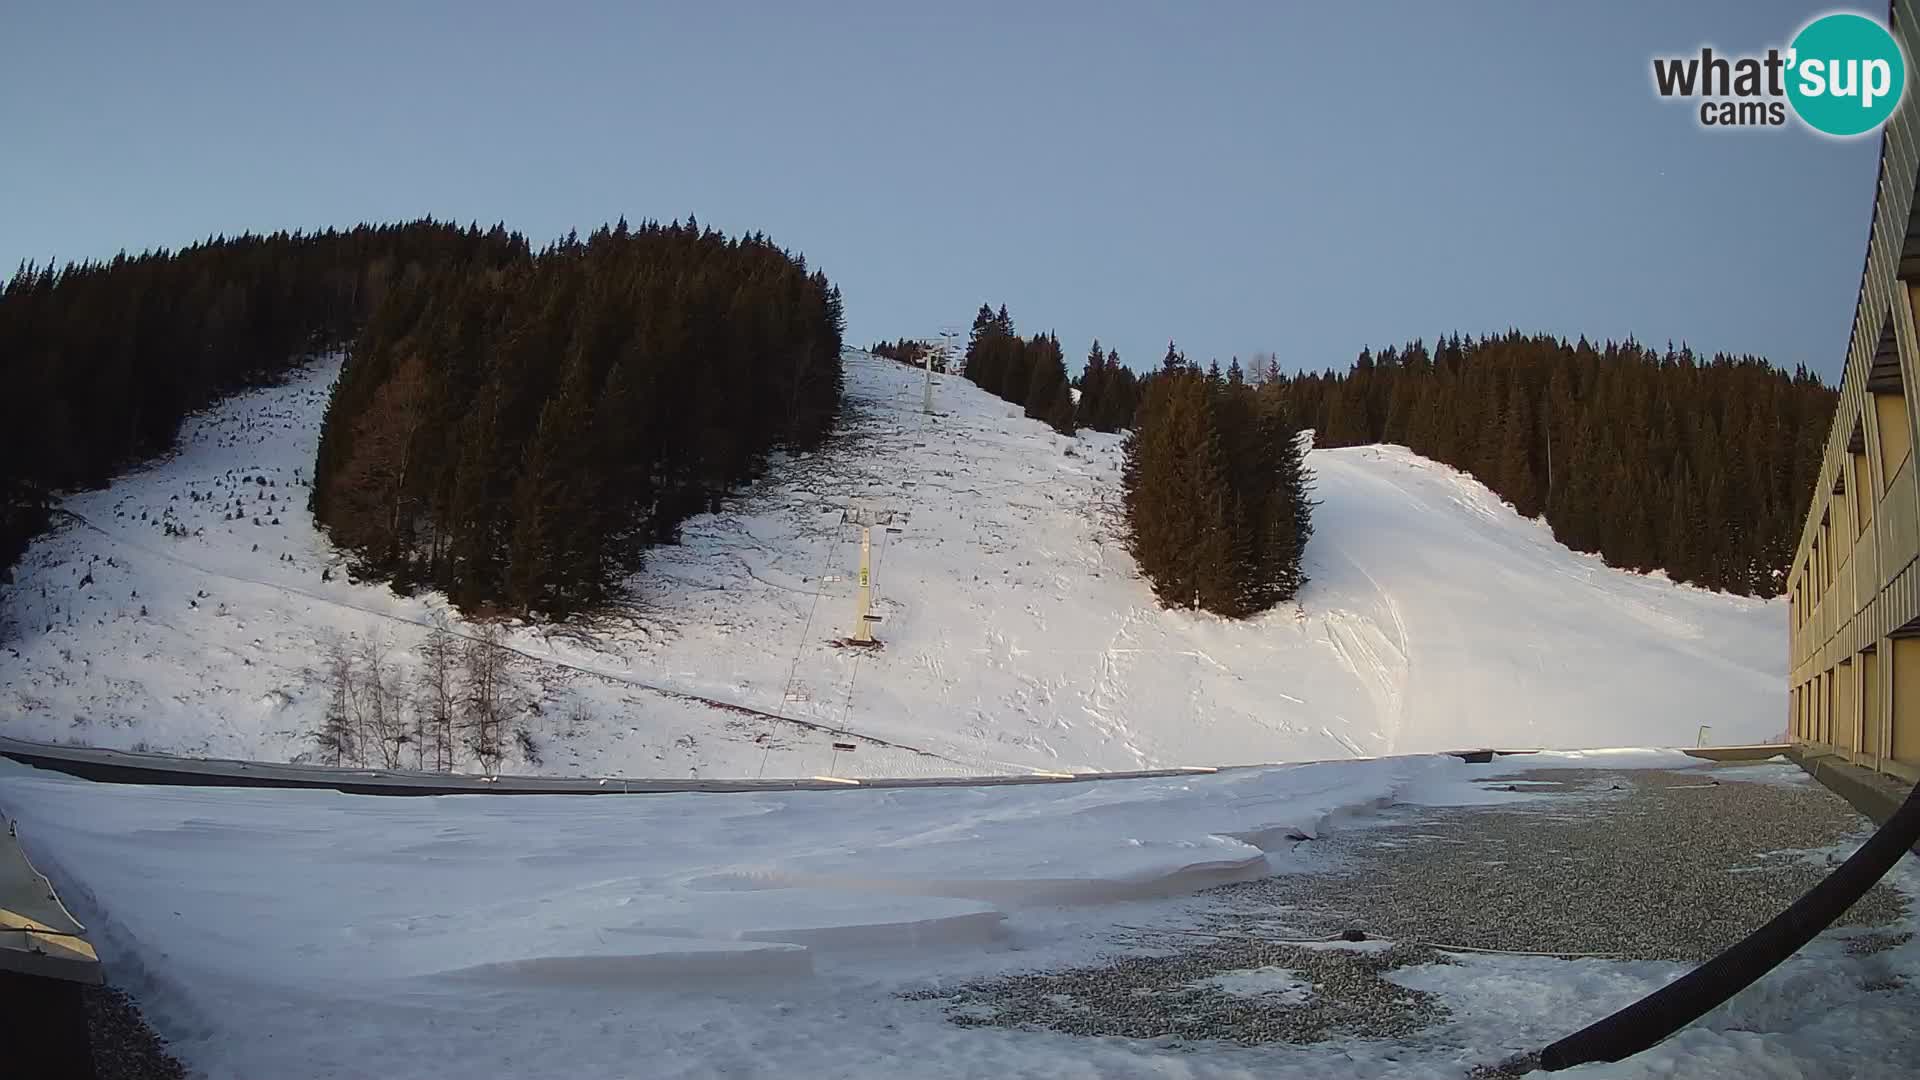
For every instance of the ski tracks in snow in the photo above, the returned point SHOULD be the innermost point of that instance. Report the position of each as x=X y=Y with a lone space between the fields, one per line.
x=1382 y=662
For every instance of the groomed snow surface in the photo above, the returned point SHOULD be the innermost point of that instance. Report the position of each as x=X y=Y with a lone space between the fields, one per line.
x=184 y=609
x=308 y=934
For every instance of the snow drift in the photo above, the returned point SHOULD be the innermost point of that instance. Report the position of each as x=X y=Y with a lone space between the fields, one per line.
x=309 y=933
x=296 y=933
x=187 y=607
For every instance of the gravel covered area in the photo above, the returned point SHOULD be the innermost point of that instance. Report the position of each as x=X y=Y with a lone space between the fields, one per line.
x=1621 y=864
x=1145 y=997
x=124 y=1047
x=1635 y=864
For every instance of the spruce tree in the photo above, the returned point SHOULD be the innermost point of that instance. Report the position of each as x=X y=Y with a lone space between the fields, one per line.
x=1289 y=512
x=1515 y=468
x=1016 y=381
x=546 y=568
x=1216 y=520
x=1049 y=374
x=983 y=328
x=1119 y=397
x=1093 y=389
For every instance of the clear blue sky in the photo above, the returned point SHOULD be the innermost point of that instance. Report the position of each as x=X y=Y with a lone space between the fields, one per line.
x=1240 y=176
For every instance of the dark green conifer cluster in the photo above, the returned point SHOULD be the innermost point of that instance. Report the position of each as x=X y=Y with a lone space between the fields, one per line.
x=1216 y=491
x=519 y=436
x=102 y=360
x=909 y=352
x=1029 y=372
x=1109 y=392
x=1656 y=459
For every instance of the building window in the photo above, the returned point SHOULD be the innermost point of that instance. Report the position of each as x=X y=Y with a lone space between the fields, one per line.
x=1858 y=477
x=1888 y=390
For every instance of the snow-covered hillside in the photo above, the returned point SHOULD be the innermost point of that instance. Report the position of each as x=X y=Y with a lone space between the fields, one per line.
x=188 y=607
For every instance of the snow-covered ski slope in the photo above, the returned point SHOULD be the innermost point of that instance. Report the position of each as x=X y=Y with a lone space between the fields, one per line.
x=1017 y=633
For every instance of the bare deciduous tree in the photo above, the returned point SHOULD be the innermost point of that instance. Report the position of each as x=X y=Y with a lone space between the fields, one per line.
x=491 y=694
x=436 y=707
x=337 y=737
x=382 y=705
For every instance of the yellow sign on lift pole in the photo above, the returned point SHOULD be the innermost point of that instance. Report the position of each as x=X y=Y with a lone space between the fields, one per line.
x=862 y=629
x=863 y=618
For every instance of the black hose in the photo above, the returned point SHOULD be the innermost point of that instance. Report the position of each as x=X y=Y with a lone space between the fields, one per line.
x=1679 y=1003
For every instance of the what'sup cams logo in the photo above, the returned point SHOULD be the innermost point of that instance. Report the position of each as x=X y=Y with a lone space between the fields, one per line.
x=1843 y=75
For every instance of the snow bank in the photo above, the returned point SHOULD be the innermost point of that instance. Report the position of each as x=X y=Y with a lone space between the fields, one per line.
x=250 y=919
x=301 y=933
x=546 y=879
x=1504 y=1005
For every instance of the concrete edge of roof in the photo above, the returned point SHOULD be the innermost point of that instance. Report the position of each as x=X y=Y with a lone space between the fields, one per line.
x=1874 y=794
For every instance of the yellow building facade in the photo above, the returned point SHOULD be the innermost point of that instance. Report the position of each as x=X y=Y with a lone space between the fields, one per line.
x=1854 y=589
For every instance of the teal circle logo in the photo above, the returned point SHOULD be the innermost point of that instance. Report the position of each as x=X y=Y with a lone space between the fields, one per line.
x=1845 y=74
